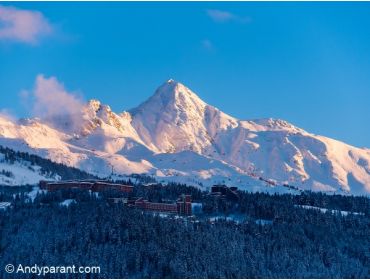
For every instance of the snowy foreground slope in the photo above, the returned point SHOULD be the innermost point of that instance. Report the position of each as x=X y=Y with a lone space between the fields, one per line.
x=176 y=136
x=21 y=172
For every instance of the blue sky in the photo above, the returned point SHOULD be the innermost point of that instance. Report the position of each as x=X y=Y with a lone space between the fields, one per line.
x=307 y=63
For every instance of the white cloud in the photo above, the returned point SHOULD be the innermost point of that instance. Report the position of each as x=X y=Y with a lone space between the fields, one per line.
x=225 y=16
x=22 y=25
x=53 y=103
x=51 y=98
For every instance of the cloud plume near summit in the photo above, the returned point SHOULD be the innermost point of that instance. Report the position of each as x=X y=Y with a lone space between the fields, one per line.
x=52 y=102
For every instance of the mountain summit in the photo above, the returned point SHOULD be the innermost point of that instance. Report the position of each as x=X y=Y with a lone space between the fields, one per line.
x=176 y=136
x=172 y=97
x=176 y=119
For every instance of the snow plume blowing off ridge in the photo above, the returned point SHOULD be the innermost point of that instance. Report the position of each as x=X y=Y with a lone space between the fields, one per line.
x=55 y=105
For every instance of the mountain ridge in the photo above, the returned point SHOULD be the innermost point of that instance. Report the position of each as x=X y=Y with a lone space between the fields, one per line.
x=174 y=125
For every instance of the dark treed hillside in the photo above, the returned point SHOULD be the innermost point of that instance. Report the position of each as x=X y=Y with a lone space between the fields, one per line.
x=125 y=243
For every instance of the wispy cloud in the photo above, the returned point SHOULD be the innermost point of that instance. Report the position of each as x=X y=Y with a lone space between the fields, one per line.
x=54 y=104
x=23 y=25
x=51 y=98
x=225 y=16
x=207 y=45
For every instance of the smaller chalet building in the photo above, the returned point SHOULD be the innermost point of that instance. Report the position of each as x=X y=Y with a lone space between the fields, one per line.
x=224 y=192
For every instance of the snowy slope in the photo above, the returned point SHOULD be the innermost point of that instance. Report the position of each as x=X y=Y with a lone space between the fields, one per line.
x=174 y=135
x=20 y=173
x=175 y=119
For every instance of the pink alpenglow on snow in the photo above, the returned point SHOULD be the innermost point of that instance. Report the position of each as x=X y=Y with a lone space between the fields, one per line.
x=176 y=136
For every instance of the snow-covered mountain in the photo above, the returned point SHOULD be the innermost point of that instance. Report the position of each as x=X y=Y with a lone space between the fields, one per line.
x=174 y=135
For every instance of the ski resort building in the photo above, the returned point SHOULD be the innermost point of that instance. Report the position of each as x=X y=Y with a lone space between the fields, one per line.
x=155 y=206
x=182 y=206
x=95 y=186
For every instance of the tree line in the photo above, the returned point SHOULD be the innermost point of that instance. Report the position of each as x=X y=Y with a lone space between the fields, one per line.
x=127 y=243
